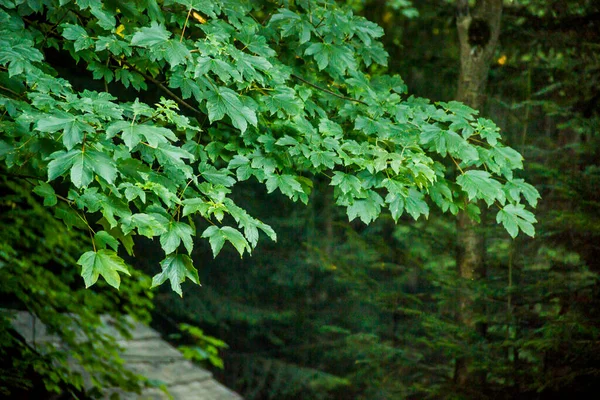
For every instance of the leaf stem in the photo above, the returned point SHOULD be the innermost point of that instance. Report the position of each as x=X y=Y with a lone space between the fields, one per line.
x=185 y=24
x=457 y=166
x=11 y=92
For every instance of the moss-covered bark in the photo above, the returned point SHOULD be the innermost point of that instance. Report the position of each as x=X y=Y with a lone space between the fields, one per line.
x=478 y=33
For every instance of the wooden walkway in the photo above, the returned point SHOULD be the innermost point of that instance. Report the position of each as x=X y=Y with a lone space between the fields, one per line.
x=148 y=355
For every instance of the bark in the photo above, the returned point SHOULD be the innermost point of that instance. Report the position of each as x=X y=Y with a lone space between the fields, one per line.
x=478 y=33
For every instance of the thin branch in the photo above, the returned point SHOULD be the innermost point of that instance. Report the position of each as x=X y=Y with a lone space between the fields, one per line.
x=63 y=198
x=185 y=24
x=51 y=30
x=28 y=179
x=20 y=176
x=457 y=166
x=329 y=91
x=20 y=96
x=162 y=87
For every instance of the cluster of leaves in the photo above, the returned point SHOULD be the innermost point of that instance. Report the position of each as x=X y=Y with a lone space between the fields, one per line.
x=37 y=254
x=380 y=310
x=205 y=349
x=276 y=92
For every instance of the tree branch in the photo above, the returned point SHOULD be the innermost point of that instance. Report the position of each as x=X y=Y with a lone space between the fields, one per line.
x=11 y=92
x=162 y=87
x=328 y=91
x=20 y=176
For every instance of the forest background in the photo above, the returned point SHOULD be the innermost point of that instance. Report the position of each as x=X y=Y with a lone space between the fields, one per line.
x=344 y=310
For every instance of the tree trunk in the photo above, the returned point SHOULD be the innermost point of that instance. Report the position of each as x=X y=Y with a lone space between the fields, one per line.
x=478 y=33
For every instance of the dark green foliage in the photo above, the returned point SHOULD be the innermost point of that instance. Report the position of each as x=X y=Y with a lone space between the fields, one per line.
x=37 y=255
x=377 y=305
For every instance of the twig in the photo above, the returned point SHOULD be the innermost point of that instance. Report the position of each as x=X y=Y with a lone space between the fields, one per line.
x=11 y=92
x=20 y=176
x=328 y=91
x=162 y=87
x=458 y=166
x=185 y=24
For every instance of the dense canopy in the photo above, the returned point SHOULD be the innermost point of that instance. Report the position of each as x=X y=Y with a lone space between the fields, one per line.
x=188 y=98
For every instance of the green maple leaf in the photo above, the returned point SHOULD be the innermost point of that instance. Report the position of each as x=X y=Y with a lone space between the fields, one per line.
x=459 y=109
x=514 y=217
x=488 y=130
x=186 y=83
x=507 y=158
x=247 y=65
x=288 y=20
x=176 y=268
x=146 y=224
x=168 y=154
x=415 y=205
x=83 y=165
x=47 y=192
x=348 y=184
x=367 y=209
x=176 y=233
x=330 y=128
x=132 y=134
x=326 y=158
x=249 y=224
x=339 y=57
x=91 y=161
x=132 y=192
x=441 y=195
x=285 y=183
x=103 y=239
x=174 y=52
x=114 y=45
x=222 y=69
x=224 y=101
x=367 y=30
x=448 y=142
x=73 y=128
x=216 y=176
x=342 y=59
x=153 y=35
x=395 y=204
x=217 y=236
x=517 y=187
x=481 y=185
x=207 y=7
x=287 y=141
x=321 y=52
x=283 y=100
x=79 y=35
x=195 y=205
x=102 y=262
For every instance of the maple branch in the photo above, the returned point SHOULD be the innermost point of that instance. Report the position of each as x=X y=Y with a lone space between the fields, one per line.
x=20 y=96
x=20 y=176
x=162 y=87
x=328 y=91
